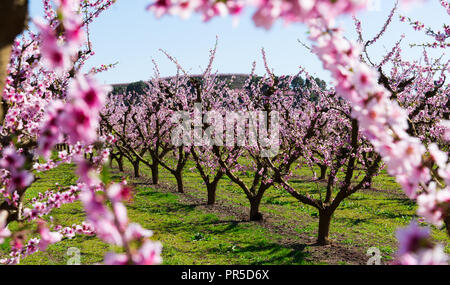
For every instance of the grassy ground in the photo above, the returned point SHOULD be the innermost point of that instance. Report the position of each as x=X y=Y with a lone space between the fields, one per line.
x=193 y=233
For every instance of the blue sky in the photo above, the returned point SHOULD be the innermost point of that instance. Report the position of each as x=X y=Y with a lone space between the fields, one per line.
x=132 y=36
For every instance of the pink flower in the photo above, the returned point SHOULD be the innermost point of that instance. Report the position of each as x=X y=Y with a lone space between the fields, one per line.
x=438 y=156
x=112 y=258
x=135 y=232
x=55 y=55
x=148 y=254
x=79 y=120
x=431 y=256
x=416 y=249
x=118 y=192
x=100 y=217
x=47 y=237
x=4 y=231
x=67 y=6
x=446 y=126
x=68 y=232
x=445 y=174
x=120 y=213
x=405 y=157
x=235 y=7
x=433 y=205
x=79 y=124
x=411 y=238
x=74 y=34
x=11 y=159
x=20 y=180
x=161 y=7
x=85 y=89
x=50 y=132
x=106 y=229
x=364 y=78
x=267 y=13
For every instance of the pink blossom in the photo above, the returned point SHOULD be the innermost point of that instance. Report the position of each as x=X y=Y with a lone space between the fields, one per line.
x=438 y=156
x=120 y=213
x=112 y=258
x=11 y=159
x=431 y=256
x=20 y=180
x=55 y=55
x=267 y=13
x=446 y=125
x=135 y=232
x=411 y=238
x=50 y=133
x=4 y=231
x=85 y=89
x=161 y=7
x=118 y=192
x=47 y=237
x=433 y=204
x=416 y=249
x=148 y=254
x=79 y=124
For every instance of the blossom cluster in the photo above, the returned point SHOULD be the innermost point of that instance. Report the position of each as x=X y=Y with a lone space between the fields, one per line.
x=15 y=177
x=113 y=227
x=49 y=200
x=60 y=40
x=21 y=249
x=416 y=248
x=267 y=11
x=78 y=118
x=50 y=103
x=102 y=68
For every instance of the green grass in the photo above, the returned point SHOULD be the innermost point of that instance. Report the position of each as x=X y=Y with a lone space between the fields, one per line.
x=191 y=235
x=188 y=235
x=366 y=219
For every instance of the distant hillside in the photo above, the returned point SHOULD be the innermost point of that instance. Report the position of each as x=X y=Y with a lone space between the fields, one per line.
x=297 y=85
x=139 y=86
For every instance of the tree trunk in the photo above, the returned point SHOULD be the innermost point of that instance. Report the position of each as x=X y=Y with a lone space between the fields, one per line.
x=255 y=215
x=111 y=157
x=155 y=172
x=211 y=193
x=323 y=171
x=13 y=18
x=179 y=178
x=136 y=168
x=120 y=163
x=324 y=227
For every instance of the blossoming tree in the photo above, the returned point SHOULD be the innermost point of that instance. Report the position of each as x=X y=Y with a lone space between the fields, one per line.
x=47 y=100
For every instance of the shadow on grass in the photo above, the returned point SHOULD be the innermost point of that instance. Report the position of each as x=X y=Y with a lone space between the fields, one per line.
x=295 y=253
x=224 y=227
x=353 y=221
